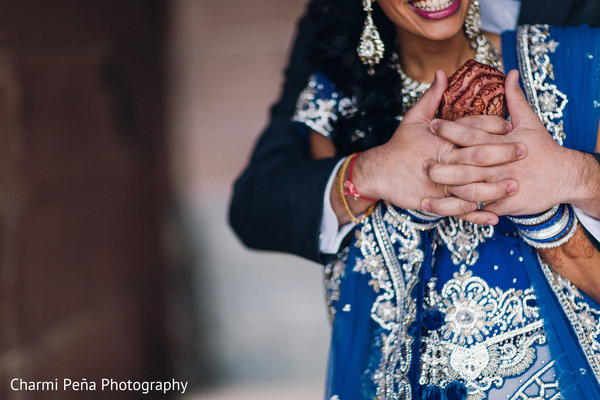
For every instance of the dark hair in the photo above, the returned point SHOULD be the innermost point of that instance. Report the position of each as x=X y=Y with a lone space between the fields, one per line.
x=339 y=25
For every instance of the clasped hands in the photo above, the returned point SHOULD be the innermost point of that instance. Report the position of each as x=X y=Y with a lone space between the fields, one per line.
x=446 y=167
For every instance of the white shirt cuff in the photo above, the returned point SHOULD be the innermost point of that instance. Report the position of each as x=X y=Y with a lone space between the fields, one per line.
x=498 y=16
x=590 y=223
x=331 y=234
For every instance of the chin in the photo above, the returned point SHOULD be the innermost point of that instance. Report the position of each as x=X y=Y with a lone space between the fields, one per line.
x=443 y=33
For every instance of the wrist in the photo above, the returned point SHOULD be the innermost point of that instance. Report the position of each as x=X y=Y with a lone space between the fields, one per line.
x=354 y=207
x=364 y=175
x=349 y=185
x=584 y=182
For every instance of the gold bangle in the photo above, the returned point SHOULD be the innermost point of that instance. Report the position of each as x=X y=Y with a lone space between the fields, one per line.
x=342 y=193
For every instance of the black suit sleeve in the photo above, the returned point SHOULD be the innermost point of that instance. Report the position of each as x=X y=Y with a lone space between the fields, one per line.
x=277 y=201
x=560 y=12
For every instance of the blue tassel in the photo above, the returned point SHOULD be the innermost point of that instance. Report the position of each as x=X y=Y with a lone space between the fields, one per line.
x=433 y=319
x=414 y=329
x=433 y=393
x=456 y=391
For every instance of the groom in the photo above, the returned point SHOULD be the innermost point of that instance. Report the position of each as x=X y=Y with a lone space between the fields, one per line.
x=258 y=193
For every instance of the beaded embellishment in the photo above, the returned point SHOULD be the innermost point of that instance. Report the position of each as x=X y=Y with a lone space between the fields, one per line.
x=393 y=277
x=320 y=105
x=462 y=238
x=584 y=319
x=488 y=335
x=535 y=45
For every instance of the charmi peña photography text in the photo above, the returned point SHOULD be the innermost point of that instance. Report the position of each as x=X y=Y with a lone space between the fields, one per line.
x=105 y=384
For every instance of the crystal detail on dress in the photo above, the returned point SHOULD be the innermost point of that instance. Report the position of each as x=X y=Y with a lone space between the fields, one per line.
x=333 y=274
x=535 y=46
x=319 y=106
x=462 y=238
x=394 y=275
x=539 y=386
x=488 y=335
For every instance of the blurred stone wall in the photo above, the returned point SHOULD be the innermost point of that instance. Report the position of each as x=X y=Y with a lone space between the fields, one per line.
x=82 y=186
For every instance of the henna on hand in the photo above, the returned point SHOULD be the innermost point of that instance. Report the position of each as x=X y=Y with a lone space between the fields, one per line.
x=474 y=89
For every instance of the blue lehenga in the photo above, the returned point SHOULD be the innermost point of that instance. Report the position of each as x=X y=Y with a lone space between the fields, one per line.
x=438 y=308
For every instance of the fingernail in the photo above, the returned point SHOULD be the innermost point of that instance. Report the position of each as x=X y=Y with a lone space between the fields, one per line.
x=433 y=125
x=490 y=222
x=511 y=188
x=508 y=127
x=426 y=166
x=426 y=206
x=521 y=150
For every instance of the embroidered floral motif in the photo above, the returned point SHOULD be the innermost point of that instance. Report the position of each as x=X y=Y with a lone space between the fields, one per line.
x=489 y=335
x=319 y=106
x=462 y=238
x=537 y=71
x=389 y=244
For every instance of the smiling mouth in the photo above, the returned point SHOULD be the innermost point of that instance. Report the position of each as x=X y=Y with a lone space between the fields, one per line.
x=432 y=5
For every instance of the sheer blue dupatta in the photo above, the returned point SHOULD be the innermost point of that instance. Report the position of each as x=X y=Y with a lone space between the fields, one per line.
x=576 y=376
x=378 y=312
x=560 y=73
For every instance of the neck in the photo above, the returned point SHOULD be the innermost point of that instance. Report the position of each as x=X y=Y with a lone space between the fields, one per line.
x=420 y=57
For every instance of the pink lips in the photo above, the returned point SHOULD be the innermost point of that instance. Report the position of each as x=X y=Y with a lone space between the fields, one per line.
x=439 y=14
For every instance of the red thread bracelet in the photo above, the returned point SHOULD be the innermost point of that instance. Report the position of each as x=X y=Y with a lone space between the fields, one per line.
x=351 y=189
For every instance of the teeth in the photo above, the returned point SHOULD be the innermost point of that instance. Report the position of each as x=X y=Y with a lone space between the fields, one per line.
x=432 y=5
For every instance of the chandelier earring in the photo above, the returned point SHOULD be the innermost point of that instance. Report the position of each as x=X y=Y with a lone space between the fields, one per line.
x=370 y=47
x=473 y=20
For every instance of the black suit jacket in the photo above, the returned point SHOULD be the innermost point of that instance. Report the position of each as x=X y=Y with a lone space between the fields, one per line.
x=277 y=201
x=560 y=12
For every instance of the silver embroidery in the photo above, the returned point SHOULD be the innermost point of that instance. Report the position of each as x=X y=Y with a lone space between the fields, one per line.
x=549 y=103
x=462 y=238
x=390 y=246
x=333 y=274
x=319 y=112
x=488 y=335
x=584 y=319
x=535 y=45
x=394 y=276
x=539 y=386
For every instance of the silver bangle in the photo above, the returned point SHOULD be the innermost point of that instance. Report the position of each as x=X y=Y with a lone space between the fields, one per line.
x=546 y=233
x=557 y=243
x=535 y=220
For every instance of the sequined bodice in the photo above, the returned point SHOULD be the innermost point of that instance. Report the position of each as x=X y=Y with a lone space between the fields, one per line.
x=491 y=339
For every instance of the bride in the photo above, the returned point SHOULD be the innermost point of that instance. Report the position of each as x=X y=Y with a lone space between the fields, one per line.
x=500 y=303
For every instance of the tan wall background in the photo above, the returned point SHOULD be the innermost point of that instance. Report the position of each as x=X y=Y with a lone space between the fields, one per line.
x=265 y=321
x=82 y=188
x=123 y=126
